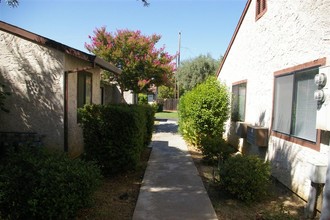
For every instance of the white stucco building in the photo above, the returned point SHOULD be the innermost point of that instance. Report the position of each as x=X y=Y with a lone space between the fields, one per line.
x=277 y=49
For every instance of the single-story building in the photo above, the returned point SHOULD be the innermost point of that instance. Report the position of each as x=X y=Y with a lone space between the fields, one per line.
x=48 y=82
x=276 y=51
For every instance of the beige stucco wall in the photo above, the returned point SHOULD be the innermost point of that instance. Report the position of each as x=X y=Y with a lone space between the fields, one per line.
x=290 y=33
x=33 y=74
x=75 y=134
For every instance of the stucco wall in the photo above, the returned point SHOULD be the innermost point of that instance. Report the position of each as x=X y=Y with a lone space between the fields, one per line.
x=75 y=134
x=33 y=74
x=290 y=33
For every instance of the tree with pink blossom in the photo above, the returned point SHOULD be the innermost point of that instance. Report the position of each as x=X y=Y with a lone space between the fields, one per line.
x=142 y=64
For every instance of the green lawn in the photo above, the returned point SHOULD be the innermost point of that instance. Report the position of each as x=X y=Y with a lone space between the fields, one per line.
x=167 y=115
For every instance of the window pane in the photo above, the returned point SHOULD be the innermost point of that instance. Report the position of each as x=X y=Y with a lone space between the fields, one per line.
x=234 y=103
x=283 y=103
x=81 y=91
x=304 y=114
x=238 y=102
x=241 y=101
x=88 y=91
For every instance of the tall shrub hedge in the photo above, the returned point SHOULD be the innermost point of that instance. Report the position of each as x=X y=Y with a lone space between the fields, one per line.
x=115 y=135
x=36 y=184
x=203 y=111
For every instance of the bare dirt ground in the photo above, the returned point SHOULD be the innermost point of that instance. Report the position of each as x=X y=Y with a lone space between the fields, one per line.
x=279 y=201
x=117 y=196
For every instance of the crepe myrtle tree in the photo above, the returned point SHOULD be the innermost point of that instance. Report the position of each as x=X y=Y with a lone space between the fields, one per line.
x=142 y=64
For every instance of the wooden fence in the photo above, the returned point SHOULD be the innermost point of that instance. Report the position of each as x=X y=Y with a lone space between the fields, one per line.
x=169 y=104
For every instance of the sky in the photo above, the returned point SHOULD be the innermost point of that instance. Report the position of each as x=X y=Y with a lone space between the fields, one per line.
x=206 y=26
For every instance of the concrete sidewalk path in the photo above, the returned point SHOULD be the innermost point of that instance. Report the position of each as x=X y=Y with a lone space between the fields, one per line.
x=172 y=188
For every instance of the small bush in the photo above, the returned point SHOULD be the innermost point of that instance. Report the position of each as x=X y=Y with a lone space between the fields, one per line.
x=246 y=177
x=36 y=184
x=115 y=135
x=215 y=149
x=142 y=99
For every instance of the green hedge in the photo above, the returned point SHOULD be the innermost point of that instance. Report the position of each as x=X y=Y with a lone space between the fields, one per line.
x=115 y=135
x=246 y=177
x=36 y=184
x=203 y=111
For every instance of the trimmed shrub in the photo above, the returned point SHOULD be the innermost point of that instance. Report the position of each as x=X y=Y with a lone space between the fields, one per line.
x=215 y=149
x=246 y=177
x=142 y=99
x=115 y=135
x=203 y=111
x=36 y=184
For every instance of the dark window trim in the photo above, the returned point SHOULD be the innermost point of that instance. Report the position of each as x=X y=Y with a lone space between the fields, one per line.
x=290 y=138
x=261 y=8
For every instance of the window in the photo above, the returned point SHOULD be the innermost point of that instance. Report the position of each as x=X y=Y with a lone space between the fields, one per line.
x=84 y=95
x=238 y=101
x=261 y=8
x=294 y=104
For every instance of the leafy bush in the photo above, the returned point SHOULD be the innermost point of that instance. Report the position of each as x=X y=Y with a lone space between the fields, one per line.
x=215 y=149
x=115 y=135
x=142 y=99
x=157 y=107
x=203 y=111
x=246 y=177
x=36 y=184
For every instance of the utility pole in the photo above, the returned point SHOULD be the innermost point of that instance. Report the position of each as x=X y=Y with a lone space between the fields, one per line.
x=177 y=66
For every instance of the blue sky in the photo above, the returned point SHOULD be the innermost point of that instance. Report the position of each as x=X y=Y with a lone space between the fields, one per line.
x=206 y=26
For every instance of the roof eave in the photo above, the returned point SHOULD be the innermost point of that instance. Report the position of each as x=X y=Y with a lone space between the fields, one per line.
x=27 y=35
x=106 y=65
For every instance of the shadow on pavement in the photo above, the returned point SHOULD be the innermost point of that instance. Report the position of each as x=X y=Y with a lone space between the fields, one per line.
x=166 y=128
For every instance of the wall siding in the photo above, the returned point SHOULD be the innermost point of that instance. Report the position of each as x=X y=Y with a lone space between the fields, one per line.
x=33 y=74
x=288 y=34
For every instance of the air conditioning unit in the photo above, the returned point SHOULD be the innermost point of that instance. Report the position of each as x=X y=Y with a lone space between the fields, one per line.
x=257 y=136
x=322 y=96
x=241 y=129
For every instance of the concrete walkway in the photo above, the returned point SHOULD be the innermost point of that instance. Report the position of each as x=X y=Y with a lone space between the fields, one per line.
x=172 y=188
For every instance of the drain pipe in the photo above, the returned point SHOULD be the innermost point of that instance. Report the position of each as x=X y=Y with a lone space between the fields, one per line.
x=318 y=178
x=325 y=214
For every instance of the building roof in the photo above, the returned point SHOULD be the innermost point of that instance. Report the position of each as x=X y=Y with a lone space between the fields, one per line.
x=35 y=38
x=234 y=35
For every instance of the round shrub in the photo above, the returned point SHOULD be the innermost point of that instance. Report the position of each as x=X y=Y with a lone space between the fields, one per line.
x=246 y=177
x=36 y=184
x=203 y=111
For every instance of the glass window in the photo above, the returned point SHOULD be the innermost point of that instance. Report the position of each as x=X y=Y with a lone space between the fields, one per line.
x=238 y=102
x=261 y=7
x=294 y=105
x=84 y=91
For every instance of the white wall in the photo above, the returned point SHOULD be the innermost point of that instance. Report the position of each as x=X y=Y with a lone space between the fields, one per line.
x=290 y=33
x=34 y=76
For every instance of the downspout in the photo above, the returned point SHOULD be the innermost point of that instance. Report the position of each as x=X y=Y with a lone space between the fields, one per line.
x=66 y=142
x=325 y=214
